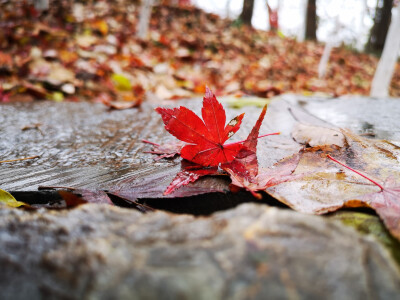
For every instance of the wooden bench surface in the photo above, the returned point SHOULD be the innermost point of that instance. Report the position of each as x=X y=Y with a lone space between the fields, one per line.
x=85 y=145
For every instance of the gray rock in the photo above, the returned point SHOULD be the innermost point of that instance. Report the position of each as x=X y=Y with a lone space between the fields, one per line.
x=250 y=252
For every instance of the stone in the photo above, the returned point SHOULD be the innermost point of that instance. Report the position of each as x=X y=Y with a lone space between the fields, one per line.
x=250 y=252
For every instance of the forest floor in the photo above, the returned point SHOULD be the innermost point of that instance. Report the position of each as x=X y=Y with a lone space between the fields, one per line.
x=61 y=155
x=90 y=51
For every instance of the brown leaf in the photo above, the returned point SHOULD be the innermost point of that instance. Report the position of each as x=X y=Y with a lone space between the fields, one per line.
x=95 y=196
x=317 y=135
x=328 y=186
x=386 y=203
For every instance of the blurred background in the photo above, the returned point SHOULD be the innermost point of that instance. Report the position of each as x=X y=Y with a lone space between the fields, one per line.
x=352 y=18
x=123 y=52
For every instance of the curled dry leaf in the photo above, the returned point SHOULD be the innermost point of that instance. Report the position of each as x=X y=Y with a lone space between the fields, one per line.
x=107 y=100
x=316 y=135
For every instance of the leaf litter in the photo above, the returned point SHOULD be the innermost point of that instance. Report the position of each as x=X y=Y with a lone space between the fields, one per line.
x=89 y=50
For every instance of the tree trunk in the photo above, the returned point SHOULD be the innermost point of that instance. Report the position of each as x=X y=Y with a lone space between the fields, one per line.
x=311 y=20
x=144 y=19
x=228 y=9
x=387 y=63
x=247 y=12
x=323 y=63
x=41 y=5
x=377 y=36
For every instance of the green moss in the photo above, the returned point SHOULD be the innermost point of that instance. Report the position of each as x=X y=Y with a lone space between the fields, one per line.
x=370 y=224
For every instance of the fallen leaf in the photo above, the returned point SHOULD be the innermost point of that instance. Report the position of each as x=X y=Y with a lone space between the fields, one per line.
x=75 y=197
x=4 y=97
x=94 y=196
x=206 y=138
x=121 y=82
x=71 y=199
x=119 y=105
x=386 y=201
x=85 y=40
x=327 y=187
x=107 y=100
x=57 y=96
x=189 y=173
x=122 y=201
x=7 y=198
x=316 y=135
x=240 y=102
x=35 y=89
x=167 y=150
x=52 y=73
x=244 y=171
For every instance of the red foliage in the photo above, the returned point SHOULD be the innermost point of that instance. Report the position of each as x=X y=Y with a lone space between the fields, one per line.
x=244 y=171
x=206 y=137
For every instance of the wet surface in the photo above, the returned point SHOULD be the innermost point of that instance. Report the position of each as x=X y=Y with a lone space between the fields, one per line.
x=84 y=145
x=368 y=116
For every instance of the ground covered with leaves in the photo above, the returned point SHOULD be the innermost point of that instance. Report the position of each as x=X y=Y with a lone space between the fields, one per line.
x=90 y=50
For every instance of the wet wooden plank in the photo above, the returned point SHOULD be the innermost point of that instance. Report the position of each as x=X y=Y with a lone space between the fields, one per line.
x=84 y=145
x=376 y=117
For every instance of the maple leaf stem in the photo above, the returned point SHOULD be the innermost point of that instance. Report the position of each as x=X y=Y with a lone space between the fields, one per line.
x=261 y=136
x=151 y=143
x=355 y=171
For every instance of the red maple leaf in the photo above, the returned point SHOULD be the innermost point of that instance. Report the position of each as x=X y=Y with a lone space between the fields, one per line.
x=190 y=173
x=244 y=172
x=206 y=137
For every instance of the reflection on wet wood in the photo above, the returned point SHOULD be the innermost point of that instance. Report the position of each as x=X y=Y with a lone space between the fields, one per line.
x=84 y=145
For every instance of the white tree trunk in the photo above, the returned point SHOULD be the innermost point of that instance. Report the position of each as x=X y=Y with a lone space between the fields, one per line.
x=387 y=63
x=41 y=5
x=302 y=31
x=228 y=9
x=323 y=63
x=144 y=18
